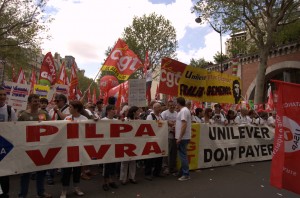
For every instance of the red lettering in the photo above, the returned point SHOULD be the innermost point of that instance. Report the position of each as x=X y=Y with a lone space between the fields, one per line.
x=73 y=153
x=191 y=146
x=94 y=155
x=121 y=149
x=38 y=159
x=116 y=129
x=90 y=131
x=72 y=131
x=190 y=157
x=145 y=129
x=34 y=133
x=151 y=147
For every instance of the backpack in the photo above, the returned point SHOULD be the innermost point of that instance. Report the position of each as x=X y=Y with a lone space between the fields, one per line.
x=8 y=113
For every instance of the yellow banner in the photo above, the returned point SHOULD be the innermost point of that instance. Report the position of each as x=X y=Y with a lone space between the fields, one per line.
x=41 y=90
x=202 y=85
x=115 y=71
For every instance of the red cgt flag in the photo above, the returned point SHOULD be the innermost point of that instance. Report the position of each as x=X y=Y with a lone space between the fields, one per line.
x=21 y=77
x=73 y=84
x=62 y=76
x=122 y=61
x=48 y=71
x=285 y=168
x=32 y=81
x=94 y=96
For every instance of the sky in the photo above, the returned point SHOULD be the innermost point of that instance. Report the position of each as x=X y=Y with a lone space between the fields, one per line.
x=84 y=29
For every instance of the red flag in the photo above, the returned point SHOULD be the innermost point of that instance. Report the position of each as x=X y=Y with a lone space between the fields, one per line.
x=146 y=63
x=157 y=95
x=21 y=77
x=89 y=96
x=270 y=104
x=170 y=98
x=32 y=81
x=285 y=168
x=62 y=75
x=48 y=71
x=13 y=77
x=122 y=61
x=94 y=96
x=73 y=83
x=118 y=103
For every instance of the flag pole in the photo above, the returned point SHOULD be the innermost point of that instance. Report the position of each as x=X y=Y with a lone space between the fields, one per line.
x=81 y=99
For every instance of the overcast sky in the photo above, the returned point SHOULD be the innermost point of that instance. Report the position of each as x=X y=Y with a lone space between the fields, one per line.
x=84 y=29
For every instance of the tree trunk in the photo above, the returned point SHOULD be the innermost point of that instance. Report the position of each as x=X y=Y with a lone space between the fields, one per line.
x=260 y=76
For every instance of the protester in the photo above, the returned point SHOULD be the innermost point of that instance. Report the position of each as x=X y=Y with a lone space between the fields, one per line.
x=60 y=110
x=170 y=115
x=33 y=113
x=272 y=120
x=230 y=117
x=183 y=136
x=7 y=114
x=153 y=166
x=128 y=168
x=218 y=117
x=44 y=104
x=75 y=109
x=109 y=169
x=208 y=115
x=99 y=105
x=243 y=118
x=198 y=117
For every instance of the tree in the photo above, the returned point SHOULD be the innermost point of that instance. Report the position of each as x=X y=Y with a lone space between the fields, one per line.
x=218 y=58
x=153 y=33
x=21 y=24
x=261 y=20
x=200 y=63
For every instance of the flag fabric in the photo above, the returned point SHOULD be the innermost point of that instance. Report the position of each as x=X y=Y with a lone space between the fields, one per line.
x=122 y=61
x=235 y=64
x=270 y=104
x=32 y=80
x=62 y=75
x=21 y=77
x=73 y=84
x=94 y=96
x=146 y=63
x=48 y=71
x=157 y=95
x=285 y=168
x=89 y=95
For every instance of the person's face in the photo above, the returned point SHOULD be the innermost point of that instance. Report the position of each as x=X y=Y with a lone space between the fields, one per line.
x=43 y=105
x=137 y=113
x=217 y=109
x=156 y=108
x=2 y=97
x=72 y=109
x=34 y=103
x=171 y=106
x=99 y=107
x=59 y=102
x=111 y=113
x=91 y=108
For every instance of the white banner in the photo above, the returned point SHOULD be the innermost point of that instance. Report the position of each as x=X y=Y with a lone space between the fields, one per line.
x=32 y=146
x=227 y=145
x=18 y=94
x=137 y=92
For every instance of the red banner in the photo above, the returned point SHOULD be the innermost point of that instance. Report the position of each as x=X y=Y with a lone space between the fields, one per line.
x=285 y=169
x=48 y=71
x=122 y=61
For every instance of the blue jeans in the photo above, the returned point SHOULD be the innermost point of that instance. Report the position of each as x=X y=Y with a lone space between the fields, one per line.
x=25 y=178
x=182 y=151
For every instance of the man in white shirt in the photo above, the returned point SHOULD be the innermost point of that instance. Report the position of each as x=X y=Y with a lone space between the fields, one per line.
x=243 y=118
x=60 y=110
x=272 y=120
x=183 y=134
x=170 y=115
x=153 y=163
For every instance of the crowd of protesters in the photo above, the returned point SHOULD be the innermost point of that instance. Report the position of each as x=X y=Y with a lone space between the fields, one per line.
x=179 y=117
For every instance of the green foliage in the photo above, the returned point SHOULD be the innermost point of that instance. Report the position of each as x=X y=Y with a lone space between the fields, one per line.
x=220 y=59
x=21 y=25
x=153 y=33
x=288 y=33
x=200 y=63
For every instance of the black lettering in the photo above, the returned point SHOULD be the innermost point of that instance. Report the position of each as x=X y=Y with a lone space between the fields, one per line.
x=242 y=132
x=265 y=132
x=257 y=132
x=270 y=149
x=241 y=151
x=221 y=156
x=250 y=152
x=264 y=151
x=212 y=133
x=208 y=154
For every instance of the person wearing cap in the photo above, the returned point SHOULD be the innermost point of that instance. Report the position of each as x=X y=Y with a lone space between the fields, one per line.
x=60 y=110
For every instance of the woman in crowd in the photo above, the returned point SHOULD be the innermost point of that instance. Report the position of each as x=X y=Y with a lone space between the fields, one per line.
x=208 y=113
x=75 y=108
x=198 y=117
x=230 y=117
x=128 y=168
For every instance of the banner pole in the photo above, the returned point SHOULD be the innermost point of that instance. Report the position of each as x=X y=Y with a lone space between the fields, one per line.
x=81 y=99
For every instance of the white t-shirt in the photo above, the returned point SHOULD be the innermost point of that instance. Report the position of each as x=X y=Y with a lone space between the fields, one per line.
x=260 y=121
x=183 y=114
x=51 y=113
x=243 y=120
x=4 y=115
x=80 y=118
x=106 y=118
x=149 y=117
x=167 y=115
x=197 y=119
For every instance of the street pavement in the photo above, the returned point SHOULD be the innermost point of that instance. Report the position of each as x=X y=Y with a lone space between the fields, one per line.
x=248 y=180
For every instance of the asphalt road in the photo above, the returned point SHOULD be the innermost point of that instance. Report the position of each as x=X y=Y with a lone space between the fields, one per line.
x=248 y=180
